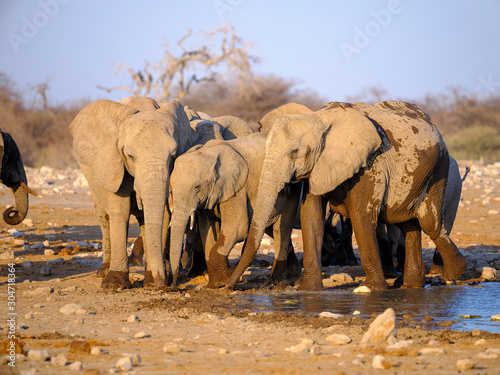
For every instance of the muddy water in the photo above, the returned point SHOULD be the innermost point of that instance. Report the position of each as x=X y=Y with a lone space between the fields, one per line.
x=432 y=307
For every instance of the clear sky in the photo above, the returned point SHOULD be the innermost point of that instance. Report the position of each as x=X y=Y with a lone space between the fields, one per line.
x=337 y=48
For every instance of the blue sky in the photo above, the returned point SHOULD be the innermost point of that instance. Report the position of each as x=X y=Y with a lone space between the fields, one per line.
x=337 y=48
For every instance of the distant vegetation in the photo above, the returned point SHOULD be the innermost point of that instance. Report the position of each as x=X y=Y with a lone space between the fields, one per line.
x=470 y=127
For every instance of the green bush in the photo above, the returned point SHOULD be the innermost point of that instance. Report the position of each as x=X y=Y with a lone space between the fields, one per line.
x=475 y=142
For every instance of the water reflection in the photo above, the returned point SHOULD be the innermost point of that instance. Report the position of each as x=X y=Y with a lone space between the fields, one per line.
x=442 y=303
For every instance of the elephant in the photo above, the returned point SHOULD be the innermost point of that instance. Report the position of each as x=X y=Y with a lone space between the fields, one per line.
x=141 y=103
x=374 y=163
x=12 y=175
x=127 y=156
x=220 y=179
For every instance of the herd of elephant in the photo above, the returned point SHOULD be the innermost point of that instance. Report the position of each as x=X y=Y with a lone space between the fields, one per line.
x=203 y=184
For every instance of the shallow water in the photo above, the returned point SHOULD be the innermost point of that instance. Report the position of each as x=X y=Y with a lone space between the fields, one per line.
x=442 y=303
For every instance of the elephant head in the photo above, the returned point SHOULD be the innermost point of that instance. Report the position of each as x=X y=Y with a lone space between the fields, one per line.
x=327 y=147
x=202 y=178
x=141 y=103
x=12 y=175
x=115 y=140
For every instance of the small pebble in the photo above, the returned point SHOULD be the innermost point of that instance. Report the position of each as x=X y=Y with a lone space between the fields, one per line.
x=140 y=335
x=133 y=318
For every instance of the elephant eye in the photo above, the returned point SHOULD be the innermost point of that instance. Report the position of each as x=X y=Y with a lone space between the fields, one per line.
x=294 y=152
x=197 y=188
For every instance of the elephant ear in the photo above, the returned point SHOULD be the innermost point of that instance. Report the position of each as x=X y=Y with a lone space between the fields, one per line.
x=349 y=140
x=95 y=137
x=181 y=131
x=266 y=123
x=231 y=172
x=233 y=126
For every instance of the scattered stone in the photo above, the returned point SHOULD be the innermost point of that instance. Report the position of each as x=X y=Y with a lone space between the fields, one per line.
x=72 y=308
x=29 y=315
x=480 y=342
x=493 y=350
x=496 y=317
x=40 y=291
x=78 y=322
x=133 y=318
x=339 y=339
x=38 y=355
x=432 y=351
x=28 y=264
x=59 y=361
x=362 y=289
x=381 y=328
x=171 y=348
x=46 y=243
x=27 y=248
x=470 y=316
x=489 y=273
x=356 y=312
x=487 y=355
x=140 y=335
x=19 y=242
x=45 y=271
x=76 y=366
x=37 y=246
x=69 y=289
x=465 y=364
x=78 y=346
x=476 y=332
x=343 y=278
x=433 y=342
x=223 y=351
x=8 y=255
x=308 y=342
x=327 y=314
x=95 y=350
x=380 y=363
x=48 y=252
x=298 y=349
x=28 y=222
x=55 y=262
x=126 y=363
x=400 y=345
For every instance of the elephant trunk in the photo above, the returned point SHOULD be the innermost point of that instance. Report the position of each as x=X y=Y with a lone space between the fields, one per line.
x=271 y=182
x=15 y=215
x=154 y=209
x=177 y=229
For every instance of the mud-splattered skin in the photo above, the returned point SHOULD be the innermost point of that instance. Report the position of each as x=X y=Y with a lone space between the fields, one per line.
x=390 y=169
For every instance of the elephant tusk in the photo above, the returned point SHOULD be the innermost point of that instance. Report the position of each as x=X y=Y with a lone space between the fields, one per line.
x=32 y=192
x=191 y=221
x=139 y=201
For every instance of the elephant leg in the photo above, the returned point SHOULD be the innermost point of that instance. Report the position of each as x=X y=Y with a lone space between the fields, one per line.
x=198 y=262
x=218 y=268
x=385 y=247
x=366 y=237
x=106 y=243
x=293 y=266
x=346 y=240
x=117 y=277
x=437 y=263
x=312 y=217
x=413 y=273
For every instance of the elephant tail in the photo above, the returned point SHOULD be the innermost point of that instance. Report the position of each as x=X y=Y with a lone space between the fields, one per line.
x=467 y=170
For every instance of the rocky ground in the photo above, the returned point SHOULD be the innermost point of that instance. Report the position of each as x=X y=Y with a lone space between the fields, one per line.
x=65 y=323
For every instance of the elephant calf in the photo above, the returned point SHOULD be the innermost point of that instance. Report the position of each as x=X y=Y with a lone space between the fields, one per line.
x=220 y=180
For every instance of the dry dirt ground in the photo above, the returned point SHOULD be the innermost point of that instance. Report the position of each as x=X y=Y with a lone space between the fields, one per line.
x=200 y=331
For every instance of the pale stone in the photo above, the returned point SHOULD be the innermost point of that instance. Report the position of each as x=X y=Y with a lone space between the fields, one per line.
x=95 y=350
x=362 y=289
x=140 y=335
x=223 y=351
x=76 y=366
x=380 y=362
x=38 y=355
x=495 y=317
x=308 y=342
x=48 y=252
x=381 y=328
x=489 y=273
x=171 y=348
x=327 y=314
x=342 y=278
x=72 y=308
x=480 y=342
x=59 y=361
x=432 y=351
x=339 y=339
x=297 y=349
x=133 y=318
x=124 y=364
x=465 y=364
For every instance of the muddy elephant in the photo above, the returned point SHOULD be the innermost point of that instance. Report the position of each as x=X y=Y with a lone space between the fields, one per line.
x=384 y=163
x=12 y=175
x=127 y=154
x=220 y=180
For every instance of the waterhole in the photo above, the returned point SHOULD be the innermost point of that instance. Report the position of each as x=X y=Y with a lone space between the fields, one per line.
x=460 y=308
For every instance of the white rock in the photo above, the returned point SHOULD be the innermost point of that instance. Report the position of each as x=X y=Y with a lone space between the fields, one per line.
x=72 y=308
x=465 y=364
x=489 y=273
x=339 y=339
x=380 y=362
x=480 y=342
x=362 y=289
x=133 y=318
x=140 y=335
x=46 y=243
x=342 y=278
x=495 y=317
x=28 y=222
x=400 y=345
x=381 y=328
x=493 y=350
x=76 y=366
x=356 y=312
x=327 y=314
x=95 y=350
x=38 y=355
x=8 y=255
x=223 y=351
x=432 y=351
x=487 y=355
x=308 y=342
x=48 y=252
x=126 y=363
x=19 y=242
x=29 y=315
x=172 y=348
x=59 y=361
x=297 y=349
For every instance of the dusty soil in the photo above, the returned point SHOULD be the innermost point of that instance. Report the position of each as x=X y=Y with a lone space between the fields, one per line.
x=199 y=331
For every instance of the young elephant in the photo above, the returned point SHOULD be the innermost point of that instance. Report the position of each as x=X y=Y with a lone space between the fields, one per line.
x=384 y=163
x=220 y=180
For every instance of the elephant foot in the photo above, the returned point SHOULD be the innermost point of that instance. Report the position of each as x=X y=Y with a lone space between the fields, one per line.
x=116 y=280
x=375 y=283
x=293 y=268
x=220 y=279
x=103 y=270
x=148 y=281
x=198 y=265
x=279 y=272
x=417 y=281
x=219 y=272
x=453 y=271
x=311 y=284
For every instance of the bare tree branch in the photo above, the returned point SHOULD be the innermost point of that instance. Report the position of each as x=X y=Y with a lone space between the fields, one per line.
x=222 y=54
